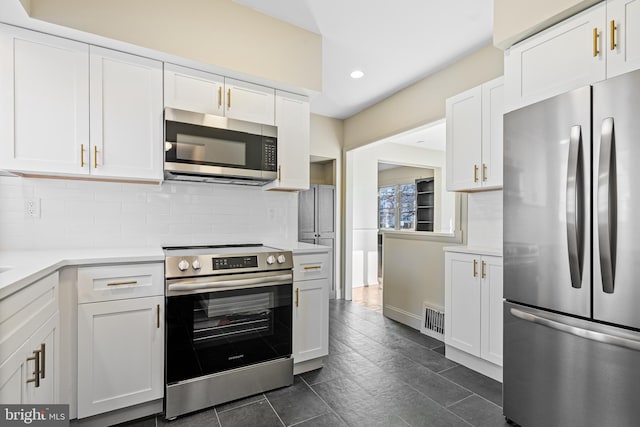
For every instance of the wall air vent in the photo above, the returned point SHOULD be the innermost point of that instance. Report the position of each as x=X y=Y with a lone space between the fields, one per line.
x=432 y=321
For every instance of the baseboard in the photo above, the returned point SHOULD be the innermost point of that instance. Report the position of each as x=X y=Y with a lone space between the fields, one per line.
x=307 y=365
x=122 y=415
x=402 y=316
x=472 y=362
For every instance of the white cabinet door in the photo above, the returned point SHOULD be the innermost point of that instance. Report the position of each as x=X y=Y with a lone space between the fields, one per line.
x=18 y=373
x=44 y=345
x=120 y=354
x=462 y=302
x=310 y=319
x=561 y=58
x=623 y=42
x=491 y=333
x=293 y=123
x=193 y=90
x=464 y=140
x=492 y=112
x=13 y=377
x=250 y=102
x=44 y=103
x=126 y=115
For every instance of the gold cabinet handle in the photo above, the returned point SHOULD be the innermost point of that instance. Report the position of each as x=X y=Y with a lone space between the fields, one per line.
x=219 y=96
x=612 y=35
x=36 y=369
x=312 y=267
x=228 y=98
x=43 y=362
x=129 y=282
x=297 y=296
x=158 y=316
x=596 y=35
x=475 y=173
x=484 y=270
x=81 y=155
x=475 y=268
x=95 y=156
x=484 y=172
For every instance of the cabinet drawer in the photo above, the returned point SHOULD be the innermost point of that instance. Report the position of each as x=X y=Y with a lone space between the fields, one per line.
x=22 y=313
x=114 y=282
x=312 y=266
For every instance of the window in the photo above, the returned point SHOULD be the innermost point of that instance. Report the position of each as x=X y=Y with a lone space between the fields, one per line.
x=397 y=207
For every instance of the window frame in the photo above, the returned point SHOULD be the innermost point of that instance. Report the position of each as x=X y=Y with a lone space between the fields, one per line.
x=397 y=209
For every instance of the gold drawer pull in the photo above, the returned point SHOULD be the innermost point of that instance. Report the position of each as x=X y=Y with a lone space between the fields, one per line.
x=484 y=270
x=219 y=96
x=475 y=173
x=475 y=268
x=228 y=99
x=129 y=282
x=312 y=267
x=81 y=155
x=596 y=35
x=43 y=349
x=297 y=296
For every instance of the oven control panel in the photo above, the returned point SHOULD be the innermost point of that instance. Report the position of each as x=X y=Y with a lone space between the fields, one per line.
x=231 y=262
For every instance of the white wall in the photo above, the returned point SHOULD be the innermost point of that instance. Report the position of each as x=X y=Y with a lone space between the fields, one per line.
x=106 y=214
x=362 y=202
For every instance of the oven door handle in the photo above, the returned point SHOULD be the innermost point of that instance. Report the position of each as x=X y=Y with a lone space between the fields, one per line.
x=215 y=285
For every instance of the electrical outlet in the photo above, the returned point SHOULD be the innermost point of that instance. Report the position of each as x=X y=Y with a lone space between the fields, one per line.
x=32 y=207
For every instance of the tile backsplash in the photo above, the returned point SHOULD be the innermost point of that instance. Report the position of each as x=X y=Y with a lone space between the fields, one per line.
x=93 y=214
x=484 y=219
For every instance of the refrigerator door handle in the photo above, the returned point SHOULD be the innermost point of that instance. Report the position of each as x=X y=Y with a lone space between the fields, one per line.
x=575 y=207
x=607 y=205
x=579 y=332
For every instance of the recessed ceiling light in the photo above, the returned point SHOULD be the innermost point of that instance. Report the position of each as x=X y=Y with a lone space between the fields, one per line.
x=357 y=74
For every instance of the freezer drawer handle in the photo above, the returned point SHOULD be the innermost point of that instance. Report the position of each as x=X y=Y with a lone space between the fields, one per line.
x=607 y=206
x=575 y=207
x=579 y=332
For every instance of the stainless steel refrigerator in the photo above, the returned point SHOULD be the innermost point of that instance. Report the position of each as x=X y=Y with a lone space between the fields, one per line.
x=572 y=258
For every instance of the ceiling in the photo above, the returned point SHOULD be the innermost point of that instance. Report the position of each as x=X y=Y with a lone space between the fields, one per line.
x=394 y=43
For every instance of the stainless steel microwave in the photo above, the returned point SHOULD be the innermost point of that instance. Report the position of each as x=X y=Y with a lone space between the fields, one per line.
x=204 y=147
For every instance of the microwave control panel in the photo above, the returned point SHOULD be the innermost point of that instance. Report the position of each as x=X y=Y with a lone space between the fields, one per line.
x=269 y=154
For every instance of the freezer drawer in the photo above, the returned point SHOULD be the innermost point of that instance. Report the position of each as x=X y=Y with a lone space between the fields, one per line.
x=560 y=370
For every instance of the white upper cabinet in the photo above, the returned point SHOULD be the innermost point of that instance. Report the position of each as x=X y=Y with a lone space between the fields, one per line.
x=73 y=109
x=563 y=57
x=599 y=43
x=250 y=102
x=44 y=102
x=293 y=123
x=126 y=115
x=474 y=138
x=623 y=36
x=193 y=90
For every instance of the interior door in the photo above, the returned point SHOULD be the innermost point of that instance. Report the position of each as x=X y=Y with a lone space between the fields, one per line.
x=616 y=230
x=547 y=150
x=307 y=220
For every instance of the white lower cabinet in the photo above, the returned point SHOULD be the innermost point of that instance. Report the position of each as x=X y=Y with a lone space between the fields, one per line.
x=29 y=337
x=29 y=375
x=310 y=310
x=120 y=340
x=473 y=311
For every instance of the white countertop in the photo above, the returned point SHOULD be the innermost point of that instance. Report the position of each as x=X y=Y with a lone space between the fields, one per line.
x=477 y=250
x=26 y=266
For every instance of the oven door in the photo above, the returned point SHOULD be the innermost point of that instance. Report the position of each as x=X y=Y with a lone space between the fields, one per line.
x=209 y=332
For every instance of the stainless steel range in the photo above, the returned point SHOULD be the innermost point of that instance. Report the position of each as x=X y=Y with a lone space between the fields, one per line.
x=228 y=324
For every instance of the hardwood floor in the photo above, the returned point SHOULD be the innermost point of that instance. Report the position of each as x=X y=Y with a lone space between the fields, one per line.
x=368 y=296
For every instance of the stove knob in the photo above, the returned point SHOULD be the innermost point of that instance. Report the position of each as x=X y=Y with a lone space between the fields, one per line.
x=271 y=259
x=196 y=265
x=281 y=259
x=183 y=265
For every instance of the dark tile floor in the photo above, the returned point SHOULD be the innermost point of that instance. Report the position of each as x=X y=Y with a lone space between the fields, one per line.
x=378 y=373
